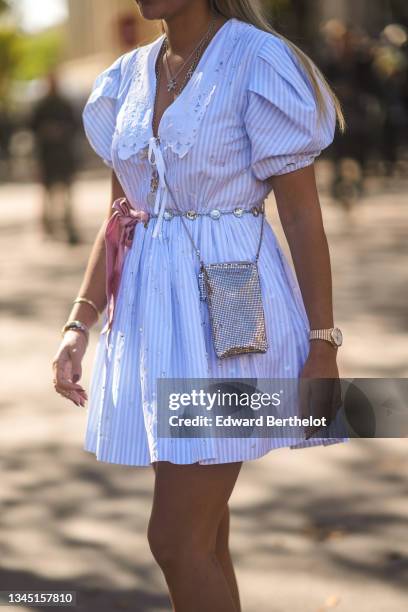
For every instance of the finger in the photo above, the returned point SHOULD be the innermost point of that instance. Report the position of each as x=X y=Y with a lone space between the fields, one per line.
x=63 y=373
x=73 y=368
x=77 y=396
x=78 y=400
x=72 y=392
x=63 y=383
x=74 y=397
x=66 y=385
x=67 y=395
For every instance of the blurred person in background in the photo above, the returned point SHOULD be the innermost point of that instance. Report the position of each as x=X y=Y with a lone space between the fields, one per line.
x=347 y=60
x=55 y=125
x=390 y=64
x=128 y=31
x=223 y=109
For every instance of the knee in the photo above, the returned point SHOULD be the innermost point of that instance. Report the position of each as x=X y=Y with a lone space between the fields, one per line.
x=163 y=542
x=175 y=551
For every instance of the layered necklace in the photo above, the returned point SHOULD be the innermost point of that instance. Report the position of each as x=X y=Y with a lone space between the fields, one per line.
x=174 y=85
x=193 y=58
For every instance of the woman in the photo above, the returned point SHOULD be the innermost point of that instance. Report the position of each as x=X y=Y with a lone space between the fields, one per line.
x=223 y=110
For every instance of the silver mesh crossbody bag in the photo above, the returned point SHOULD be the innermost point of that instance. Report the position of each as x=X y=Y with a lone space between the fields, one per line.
x=232 y=291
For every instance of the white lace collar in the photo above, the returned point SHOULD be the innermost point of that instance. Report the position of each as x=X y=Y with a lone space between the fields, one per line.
x=181 y=120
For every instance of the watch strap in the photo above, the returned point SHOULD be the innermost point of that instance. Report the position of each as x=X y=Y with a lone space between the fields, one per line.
x=321 y=334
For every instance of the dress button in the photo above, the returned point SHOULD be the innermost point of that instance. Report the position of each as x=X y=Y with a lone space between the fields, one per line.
x=238 y=212
x=168 y=215
x=215 y=213
x=191 y=214
x=255 y=211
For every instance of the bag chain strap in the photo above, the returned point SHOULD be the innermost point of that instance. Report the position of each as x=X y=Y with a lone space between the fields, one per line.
x=196 y=249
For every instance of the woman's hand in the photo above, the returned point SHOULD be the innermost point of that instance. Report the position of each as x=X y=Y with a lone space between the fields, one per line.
x=67 y=367
x=320 y=390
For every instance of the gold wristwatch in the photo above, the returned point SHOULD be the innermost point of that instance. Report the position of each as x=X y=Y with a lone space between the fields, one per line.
x=333 y=335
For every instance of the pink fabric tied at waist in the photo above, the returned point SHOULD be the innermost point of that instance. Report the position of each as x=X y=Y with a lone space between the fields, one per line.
x=118 y=240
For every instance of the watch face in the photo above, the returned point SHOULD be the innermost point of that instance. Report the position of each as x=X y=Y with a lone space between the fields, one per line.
x=337 y=336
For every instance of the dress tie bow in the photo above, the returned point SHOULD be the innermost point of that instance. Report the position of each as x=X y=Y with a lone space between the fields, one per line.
x=119 y=233
x=156 y=159
x=120 y=229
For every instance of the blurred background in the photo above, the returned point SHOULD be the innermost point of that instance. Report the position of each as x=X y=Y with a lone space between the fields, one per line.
x=313 y=529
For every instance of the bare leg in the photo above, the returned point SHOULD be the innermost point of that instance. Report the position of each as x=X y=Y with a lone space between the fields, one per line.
x=224 y=557
x=223 y=554
x=189 y=505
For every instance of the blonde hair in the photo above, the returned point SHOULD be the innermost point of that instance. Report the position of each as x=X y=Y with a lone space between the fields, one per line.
x=250 y=11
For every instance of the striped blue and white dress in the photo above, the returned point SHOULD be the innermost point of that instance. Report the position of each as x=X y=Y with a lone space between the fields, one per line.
x=247 y=113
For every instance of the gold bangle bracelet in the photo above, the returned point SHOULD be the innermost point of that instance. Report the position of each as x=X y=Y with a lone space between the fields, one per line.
x=84 y=300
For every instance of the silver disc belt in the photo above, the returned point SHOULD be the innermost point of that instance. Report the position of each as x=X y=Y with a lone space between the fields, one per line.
x=215 y=213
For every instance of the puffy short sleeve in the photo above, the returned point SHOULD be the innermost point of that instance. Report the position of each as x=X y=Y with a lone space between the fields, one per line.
x=99 y=114
x=284 y=126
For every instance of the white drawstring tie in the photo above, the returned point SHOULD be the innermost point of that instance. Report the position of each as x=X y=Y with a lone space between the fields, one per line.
x=155 y=156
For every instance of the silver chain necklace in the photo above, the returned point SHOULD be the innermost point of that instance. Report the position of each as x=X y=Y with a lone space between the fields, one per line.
x=172 y=78
x=154 y=182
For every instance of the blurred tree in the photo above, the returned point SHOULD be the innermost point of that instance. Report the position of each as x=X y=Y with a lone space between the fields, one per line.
x=38 y=54
x=9 y=59
x=4 y=5
x=25 y=57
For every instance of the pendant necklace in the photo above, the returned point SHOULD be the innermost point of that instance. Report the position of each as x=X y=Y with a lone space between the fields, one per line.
x=194 y=57
x=172 y=78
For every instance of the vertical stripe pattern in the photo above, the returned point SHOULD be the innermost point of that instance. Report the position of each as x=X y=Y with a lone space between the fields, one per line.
x=259 y=120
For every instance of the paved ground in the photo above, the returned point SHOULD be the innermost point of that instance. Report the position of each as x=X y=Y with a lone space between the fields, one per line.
x=313 y=530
